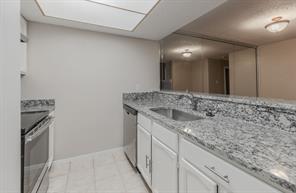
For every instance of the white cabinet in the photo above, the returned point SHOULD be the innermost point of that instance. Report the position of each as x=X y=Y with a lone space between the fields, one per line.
x=230 y=179
x=164 y=168
x=23 y=46
x=144 y=153
x=192 y=180
x=24 y=30
x=221 y=189
x=144 y=122
x=23 y=67
x=157 y=157
x=199 y=170
x=166 y=136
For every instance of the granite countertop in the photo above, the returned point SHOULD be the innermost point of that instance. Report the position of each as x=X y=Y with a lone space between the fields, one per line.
x=264 y=152
x=38 y=105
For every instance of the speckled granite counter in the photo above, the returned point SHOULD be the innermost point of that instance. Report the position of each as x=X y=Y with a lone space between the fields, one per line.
x=37 y=105
x=257 y=136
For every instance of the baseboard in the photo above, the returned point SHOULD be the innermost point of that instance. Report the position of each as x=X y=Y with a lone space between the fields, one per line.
x=88 y=155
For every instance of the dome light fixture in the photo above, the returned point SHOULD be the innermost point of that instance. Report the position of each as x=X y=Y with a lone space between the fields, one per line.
x=277 y=25
x=187 y=54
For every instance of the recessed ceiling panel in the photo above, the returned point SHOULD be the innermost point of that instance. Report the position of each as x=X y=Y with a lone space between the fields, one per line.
x=164 y=18
x=86 y=11
x=141 y=6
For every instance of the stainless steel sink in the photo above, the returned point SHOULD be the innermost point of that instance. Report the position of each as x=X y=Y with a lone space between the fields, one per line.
x=176 y=114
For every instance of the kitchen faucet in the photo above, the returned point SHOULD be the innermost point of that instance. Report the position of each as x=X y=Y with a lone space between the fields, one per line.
x=191 y=98
x=194 y=102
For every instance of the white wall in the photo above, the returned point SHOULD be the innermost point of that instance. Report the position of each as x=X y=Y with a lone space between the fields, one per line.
x=242 y=72
x=277 y=67
x=200 y=76
x=182 y=75
x=10 y=96
x=87 y=72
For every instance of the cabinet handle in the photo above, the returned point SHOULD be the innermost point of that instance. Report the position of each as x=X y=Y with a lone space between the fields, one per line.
x=225 y=178
x=146 y=161
x=150 y=166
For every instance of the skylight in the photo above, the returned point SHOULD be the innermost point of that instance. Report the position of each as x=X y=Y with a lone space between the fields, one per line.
x=140 y=6
x=119 y=14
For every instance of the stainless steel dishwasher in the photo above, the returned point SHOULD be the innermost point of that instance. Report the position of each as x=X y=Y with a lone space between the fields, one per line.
x=130 y=134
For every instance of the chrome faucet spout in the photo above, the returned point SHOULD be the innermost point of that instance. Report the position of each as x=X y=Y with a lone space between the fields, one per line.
x=193 y=101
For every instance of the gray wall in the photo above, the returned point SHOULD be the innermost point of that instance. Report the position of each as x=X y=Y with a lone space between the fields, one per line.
x=86 y=72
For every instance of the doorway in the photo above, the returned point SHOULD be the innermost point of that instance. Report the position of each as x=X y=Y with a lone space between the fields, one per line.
x=226 y=80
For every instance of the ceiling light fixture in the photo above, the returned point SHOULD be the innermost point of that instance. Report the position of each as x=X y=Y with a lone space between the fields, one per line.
x=187 y=54
x=277 y=25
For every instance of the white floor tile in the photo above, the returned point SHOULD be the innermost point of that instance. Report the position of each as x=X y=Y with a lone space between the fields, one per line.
x=111 y=185
x=139 y=189
x=59 y=169
x=57 y=184
x=129 y=175
x=82 y=185
x=82 y=181
x=83 y=174
x=107 y=171
x=103 y=159
x=124 y=166
x=119 y=155
x=80 y=164
x=132 y=181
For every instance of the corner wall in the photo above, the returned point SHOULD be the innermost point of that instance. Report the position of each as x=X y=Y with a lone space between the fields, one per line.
x=242 y=69
x=181 y=75
x=277 y=68
x=86 y=73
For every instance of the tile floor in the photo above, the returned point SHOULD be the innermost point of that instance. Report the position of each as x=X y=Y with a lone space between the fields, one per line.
x=107 y=172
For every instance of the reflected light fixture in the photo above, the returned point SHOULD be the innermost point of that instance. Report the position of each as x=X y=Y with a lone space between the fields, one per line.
x=187 y=54
x=277 y=25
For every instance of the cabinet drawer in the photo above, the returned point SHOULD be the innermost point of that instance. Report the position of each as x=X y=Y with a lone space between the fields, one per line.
x=144 y=122
x=225 y=174
x=165 y=136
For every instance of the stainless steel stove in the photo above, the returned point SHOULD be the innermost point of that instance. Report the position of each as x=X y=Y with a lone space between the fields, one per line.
x=35 y=151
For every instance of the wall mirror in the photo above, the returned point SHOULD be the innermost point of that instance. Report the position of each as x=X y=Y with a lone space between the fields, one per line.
x=205 y=65
x=244 y=48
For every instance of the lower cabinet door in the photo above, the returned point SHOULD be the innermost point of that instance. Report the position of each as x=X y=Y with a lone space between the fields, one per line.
x=223 y=190
x=192 y=180
x=144 y=153
x=164 y=168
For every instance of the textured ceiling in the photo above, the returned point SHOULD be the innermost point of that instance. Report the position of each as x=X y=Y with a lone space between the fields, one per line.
x=244 y=21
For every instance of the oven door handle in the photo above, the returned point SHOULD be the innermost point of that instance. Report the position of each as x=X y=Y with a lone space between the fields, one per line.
x=42 y=128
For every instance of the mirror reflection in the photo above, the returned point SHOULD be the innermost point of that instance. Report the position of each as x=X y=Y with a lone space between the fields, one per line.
x=205 y=65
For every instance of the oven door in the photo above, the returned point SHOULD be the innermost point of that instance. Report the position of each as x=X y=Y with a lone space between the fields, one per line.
x=35 y=157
